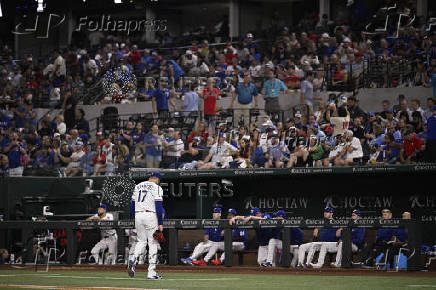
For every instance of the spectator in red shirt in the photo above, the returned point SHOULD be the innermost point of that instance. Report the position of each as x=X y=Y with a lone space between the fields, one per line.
x=210 y=96
x=412 y=148
x=201 y=132
x=134 y=55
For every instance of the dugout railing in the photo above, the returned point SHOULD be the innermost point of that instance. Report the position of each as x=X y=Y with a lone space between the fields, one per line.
x=173 y=226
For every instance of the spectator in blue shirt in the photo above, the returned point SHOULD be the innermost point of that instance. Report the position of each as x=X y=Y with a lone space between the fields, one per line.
x=190 y=101
x=15 y=150
x=161 y=98
x=20 y=114
x=271 y=89
x=5 y=121
x=153 y=147
x=433 y=81
x=430 y=146
x=245 y=92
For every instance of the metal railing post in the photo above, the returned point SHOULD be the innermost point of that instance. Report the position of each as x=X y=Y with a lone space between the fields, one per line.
x=172 y=247
x=228 y=262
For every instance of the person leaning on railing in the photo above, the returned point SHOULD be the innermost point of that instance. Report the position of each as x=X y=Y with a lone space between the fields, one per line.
x=244 y=93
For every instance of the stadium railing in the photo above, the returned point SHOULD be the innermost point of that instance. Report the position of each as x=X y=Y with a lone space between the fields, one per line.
x=413 y=228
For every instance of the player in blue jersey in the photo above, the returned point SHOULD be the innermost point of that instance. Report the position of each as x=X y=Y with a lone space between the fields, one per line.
x=211 y=237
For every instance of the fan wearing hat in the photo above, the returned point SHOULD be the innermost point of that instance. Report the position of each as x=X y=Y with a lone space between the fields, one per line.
x=319 y=237
x=189 y=61
x=218 y=153
x=211 y=237
x=278 y=153
x=239 y=243
x=357 y=237
x=353 y=149
x=73 y=167
x=109 y=238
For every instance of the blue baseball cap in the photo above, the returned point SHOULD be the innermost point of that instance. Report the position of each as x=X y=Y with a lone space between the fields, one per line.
x=196 y=138
x=371 y=114
x=390 y=111
x=357 y=212
x=222 y=134
x=280 y=213
x=217 y=210
x=156 y=174
x=102 y=205
x=254 y=211
x=329 y=209
x=232 y=211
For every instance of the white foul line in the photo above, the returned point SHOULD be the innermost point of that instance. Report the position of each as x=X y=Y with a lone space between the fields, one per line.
x=118 y=278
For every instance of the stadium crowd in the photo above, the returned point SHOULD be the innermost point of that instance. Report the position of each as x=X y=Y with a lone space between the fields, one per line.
x=323 y=133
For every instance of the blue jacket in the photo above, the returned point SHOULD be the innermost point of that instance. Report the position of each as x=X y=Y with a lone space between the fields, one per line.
x=214 y=235
x=328 y=235
x=401 y=234
x=431 y=127
x=385 y=234
x=357 y=235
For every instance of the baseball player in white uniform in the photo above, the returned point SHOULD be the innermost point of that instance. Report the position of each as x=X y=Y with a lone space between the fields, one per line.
x=211 y=236
x=147 y=207
x=320 y=237
x=357 y=236
x=109 y=238
x=275 y=243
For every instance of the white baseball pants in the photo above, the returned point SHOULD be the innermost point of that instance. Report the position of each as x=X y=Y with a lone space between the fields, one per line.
x=219 y=246
x=201 y=249
x=338 y=262
x=109 y=243
x=275 y=244
x=146 y=225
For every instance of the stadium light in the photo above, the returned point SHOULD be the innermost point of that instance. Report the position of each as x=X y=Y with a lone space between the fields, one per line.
x=117 y=1
x=1 y=12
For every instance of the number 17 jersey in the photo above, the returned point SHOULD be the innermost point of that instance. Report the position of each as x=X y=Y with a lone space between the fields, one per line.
x=145 y=194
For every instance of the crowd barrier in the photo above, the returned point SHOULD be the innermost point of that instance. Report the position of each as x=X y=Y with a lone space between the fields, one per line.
x=174 y=225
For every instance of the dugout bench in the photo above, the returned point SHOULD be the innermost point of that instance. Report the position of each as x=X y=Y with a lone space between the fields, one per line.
x=173 y=226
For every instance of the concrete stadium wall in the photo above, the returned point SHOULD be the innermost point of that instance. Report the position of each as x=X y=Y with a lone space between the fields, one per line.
x=370 y=101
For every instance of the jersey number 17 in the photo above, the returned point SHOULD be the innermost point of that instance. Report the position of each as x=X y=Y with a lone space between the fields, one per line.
x=143 y=197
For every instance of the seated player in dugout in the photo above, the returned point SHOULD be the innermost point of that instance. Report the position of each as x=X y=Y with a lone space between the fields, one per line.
x=239 y=243
x=263 y=235
x=109 y=238
x=275 y=243
x=386 y=238
x=319 y=237
x=400 y=241
x=211 y=237
x=357 y=237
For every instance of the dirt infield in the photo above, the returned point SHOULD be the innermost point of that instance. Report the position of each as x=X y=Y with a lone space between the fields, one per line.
x=237 y=270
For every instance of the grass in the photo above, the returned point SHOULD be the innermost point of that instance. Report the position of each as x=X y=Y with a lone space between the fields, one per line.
x=211 y=281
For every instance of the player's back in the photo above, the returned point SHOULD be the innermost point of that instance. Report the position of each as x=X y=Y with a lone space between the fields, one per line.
x=145 y=195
